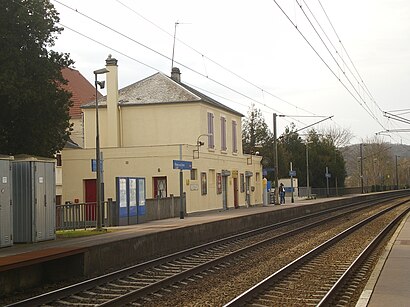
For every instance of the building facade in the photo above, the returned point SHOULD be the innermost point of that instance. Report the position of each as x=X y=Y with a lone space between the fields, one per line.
x=147 y=125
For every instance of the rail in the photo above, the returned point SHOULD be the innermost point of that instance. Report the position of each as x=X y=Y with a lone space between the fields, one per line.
x=72 y=216
x=250 y=296
x=187 y=262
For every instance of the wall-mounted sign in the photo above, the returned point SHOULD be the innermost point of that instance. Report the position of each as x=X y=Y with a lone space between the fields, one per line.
x=94 y=165
x=180 y=164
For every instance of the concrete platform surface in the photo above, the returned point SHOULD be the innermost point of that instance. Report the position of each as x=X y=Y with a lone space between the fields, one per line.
x=390 y=282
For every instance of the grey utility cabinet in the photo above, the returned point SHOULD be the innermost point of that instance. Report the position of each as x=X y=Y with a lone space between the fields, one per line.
x=6 y=208
x=34 y=194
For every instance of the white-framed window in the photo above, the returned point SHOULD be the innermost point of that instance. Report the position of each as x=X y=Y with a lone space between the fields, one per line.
x=223 y=133
x=234 y=137
x=211 y=140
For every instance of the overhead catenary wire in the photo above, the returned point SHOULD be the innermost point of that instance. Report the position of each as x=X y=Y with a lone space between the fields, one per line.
x=341 y=43
x=320 y=57
x=151 y=49
x=397 y=117
x=215 y=62
x=134 y=59
x=161 y=54
x=364 y=104
x=359 y=82
x=221 y=66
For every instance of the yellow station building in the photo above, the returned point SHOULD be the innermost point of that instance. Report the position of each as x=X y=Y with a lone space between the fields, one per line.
x=147 y=125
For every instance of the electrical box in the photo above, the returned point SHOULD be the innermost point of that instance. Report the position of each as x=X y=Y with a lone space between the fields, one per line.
x=6 y=208
x=34 y=194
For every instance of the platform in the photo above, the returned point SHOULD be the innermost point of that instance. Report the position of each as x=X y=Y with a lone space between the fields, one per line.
x=25 y=265
x=389 y=284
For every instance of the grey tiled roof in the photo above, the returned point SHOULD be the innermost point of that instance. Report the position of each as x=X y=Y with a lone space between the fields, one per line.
x=159 y=89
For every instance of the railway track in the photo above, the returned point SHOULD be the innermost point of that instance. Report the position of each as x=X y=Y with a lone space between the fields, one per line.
x=131 y=284
x=321 y=277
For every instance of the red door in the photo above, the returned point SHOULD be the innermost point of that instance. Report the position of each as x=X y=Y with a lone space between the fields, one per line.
x=90 y=186
x=159 y=187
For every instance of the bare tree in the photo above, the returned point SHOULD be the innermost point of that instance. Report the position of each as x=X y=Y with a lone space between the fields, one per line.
x=340 y=137
x=378 y=163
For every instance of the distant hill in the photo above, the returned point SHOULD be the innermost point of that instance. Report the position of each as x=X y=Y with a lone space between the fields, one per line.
x=379 y=163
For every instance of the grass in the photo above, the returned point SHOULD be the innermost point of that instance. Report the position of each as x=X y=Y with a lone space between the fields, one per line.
x=78 y=233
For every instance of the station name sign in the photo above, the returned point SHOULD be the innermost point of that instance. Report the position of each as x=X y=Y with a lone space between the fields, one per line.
x=180 y=164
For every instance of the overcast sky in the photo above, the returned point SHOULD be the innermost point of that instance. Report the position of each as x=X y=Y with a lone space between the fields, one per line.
x=263 y=52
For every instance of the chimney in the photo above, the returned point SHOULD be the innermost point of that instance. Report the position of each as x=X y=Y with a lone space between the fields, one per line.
x=112 y=103
x=176 y=74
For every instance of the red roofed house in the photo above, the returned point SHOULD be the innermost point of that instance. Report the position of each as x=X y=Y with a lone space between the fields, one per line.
x=82 y=92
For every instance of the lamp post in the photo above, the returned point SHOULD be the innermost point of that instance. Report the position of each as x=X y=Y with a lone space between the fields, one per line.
x=97 y=148
x=292 y=200
x=375 y=174
x=361 y=167
x=397 y=174
x=307 y=169
x=275 y=152
x=199 y=143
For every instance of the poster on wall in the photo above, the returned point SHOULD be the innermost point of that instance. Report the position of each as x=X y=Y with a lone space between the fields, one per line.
x=218 y=183
x=133 y=195
x=141 y=196
x=141 y=191
x=123 y=192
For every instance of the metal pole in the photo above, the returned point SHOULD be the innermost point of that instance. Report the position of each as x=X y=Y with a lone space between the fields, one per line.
x=397 y=175
x=181 y=188
x=97 y=160
x=307 y=171
x=361 y=167
x=173 y=46
x=327 y=181
x=337 y=192
x=292 y=200
x=275 y=151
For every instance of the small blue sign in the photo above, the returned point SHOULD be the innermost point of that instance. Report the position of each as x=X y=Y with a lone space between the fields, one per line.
x=292 y=173
x=94 y=165
x=180 y=164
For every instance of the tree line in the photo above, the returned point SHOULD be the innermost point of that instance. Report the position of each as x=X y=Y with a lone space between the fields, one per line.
x=322 y=149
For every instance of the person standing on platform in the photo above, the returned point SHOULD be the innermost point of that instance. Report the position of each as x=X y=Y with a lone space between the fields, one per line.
x=282 y=193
